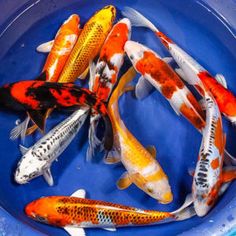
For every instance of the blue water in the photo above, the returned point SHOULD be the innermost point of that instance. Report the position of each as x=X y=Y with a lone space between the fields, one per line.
x=152 y=120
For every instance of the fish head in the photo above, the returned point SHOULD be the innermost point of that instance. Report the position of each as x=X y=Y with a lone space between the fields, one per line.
x=138 y=53
x=45 y=210
x=124 y=25
x=105 y=17
x=28 y=168
x=71 y=25
x=159 y=190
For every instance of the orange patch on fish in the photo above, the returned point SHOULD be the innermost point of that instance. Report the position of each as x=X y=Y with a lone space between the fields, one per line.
x=219 y=137
x=115 y=42
x=192 y=116
x=196 y=105
x=165 y=40
x=161 y=72
x=224 y=98
x=215 y=163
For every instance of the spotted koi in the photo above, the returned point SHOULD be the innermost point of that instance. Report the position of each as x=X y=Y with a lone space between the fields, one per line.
x=76 y=212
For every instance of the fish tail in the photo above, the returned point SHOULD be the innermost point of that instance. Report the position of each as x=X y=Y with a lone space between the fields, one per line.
x=20 y=130
x=186 y=211
x=93 y=140
x=137 y=19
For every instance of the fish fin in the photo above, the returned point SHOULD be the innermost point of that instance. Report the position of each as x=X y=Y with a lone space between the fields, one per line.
x=168 y=60
x=228 y=174
x=152 y=150
x=84 y=74
x=23 y=149
x=81 y=193
x=20 y=130
x=191 y=171
x=137 y=19
x=181 y=74
x=38 y=118
x=45 y=47
x=92 y=73
x=48 y=177
x=229 y=159
x=42 y=76
x=110 y=229
x=74 y=231
x=186 y=211
x=124 y=181
x=223 y=188
x=221 y=79
x=112 y=158
x=143 y=88
x=175 y=109
x=108 y=135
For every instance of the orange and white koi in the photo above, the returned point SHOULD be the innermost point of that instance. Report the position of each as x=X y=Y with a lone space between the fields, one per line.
x=190 y=68
x=60 y=49
x=89 y=44
x=157 y=72
x=75 y=213
x=209 y=176
x=142 y=167
x=105 y=74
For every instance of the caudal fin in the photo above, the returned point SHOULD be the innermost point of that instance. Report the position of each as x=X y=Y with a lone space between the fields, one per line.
x=186 y=211
x=137 y=19
x=94 y=141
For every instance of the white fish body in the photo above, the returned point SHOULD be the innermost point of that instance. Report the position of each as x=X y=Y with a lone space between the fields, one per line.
x=37 y=160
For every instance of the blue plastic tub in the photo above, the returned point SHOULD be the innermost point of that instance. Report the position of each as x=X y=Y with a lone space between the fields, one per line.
x=205 y=29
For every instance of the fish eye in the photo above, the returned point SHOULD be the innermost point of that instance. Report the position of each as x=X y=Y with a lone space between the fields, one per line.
x=132 y=57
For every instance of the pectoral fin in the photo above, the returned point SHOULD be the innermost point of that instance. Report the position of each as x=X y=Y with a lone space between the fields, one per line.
x=229 y=174
x=75 y=231
x=48 y=177
x=152 y=150
x=221 y=79
x=112 y=158
x=143 y=88
x=110 y=229
x=84 y=74
x=23 y=149
x=79 y=193
x=45 y=47
x=38 y=118
x=124 y=181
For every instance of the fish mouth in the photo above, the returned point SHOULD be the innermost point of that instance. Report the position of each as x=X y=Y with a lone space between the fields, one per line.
x=20 y=181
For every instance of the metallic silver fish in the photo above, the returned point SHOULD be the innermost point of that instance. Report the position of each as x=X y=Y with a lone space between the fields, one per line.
x=37 y=160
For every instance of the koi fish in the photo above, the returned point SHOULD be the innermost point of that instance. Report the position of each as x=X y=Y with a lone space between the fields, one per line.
x=105 y=74
x=37 y=160
x=62 y=45
x=89 y=44
x=159 y=74
x=76 y=212
x=140 y=163
x=190 y=68
x=59 y=49
x=36 y=96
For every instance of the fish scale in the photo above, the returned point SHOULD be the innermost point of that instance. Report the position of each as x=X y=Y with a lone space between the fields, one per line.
x=88 y=45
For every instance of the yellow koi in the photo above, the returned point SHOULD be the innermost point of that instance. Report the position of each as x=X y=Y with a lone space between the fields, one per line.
x=142 y=167
x=89 y=44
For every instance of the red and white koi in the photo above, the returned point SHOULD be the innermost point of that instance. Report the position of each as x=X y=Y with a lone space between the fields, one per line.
x=106 y=71
x=157 y=72
x=190 y=68
x=75 y=213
